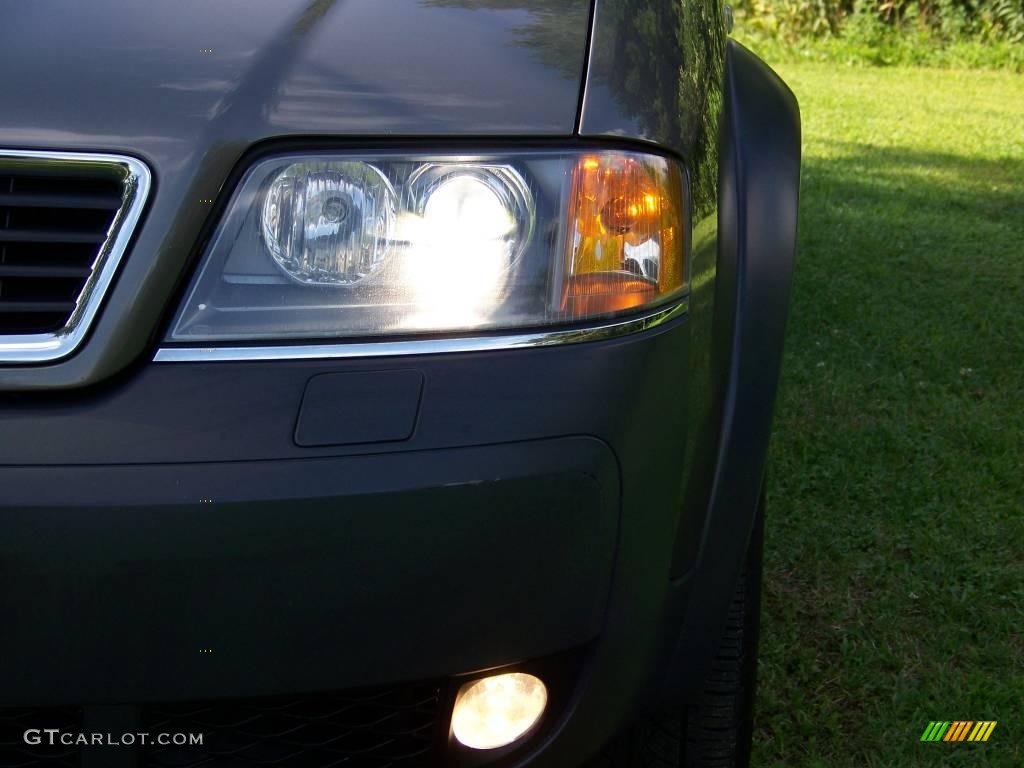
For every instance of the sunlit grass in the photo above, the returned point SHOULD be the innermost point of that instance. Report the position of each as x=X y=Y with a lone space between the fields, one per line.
x=865 y=44
x=895 y=541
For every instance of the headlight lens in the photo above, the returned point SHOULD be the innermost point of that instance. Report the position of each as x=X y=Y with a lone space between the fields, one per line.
x=332 y=246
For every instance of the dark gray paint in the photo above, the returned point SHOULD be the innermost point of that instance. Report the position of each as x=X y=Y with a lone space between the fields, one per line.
x=136 y=78
x=655 y=74
x=354 y=408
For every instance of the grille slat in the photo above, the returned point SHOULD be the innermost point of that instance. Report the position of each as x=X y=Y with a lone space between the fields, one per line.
x=43 y=200
x=57 y=272
x=50 y=236
x=61 y=215
x=47 y=255
x=36 y=307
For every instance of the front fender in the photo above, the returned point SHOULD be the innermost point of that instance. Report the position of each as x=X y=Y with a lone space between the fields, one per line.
x=758 y=201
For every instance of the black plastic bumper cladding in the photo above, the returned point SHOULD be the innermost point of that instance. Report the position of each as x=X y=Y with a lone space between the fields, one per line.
x=760 y=180
x=191 y=581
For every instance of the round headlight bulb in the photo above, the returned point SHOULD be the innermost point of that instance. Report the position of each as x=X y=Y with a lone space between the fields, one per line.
x=470 y=224
x=329 y=223
x=465 y=209
x=496 y=711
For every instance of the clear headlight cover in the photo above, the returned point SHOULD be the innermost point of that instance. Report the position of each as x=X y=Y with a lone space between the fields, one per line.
x=337 y=246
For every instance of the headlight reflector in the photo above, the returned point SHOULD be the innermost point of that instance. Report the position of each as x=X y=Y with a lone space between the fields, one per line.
x=468 y=227
x=329 y=223
x=332 y=246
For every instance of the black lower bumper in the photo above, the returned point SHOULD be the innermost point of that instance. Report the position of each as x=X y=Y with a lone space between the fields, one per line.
x=260 y=578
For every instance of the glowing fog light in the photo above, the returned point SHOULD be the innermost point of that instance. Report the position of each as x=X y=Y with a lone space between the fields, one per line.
x=495 y=711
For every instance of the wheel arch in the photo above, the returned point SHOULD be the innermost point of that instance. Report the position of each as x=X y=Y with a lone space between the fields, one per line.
x=759 y=186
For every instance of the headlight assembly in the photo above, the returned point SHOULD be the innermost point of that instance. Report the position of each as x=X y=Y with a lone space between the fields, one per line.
x=334 y=246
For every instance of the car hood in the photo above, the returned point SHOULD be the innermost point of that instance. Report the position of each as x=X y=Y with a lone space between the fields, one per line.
x=167 y=79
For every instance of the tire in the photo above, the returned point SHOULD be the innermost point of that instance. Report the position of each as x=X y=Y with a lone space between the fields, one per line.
x=720 y=723
x=714 y=730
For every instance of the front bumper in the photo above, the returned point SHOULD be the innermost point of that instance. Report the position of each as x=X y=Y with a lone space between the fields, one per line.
x=169 y=540
x=302 y=575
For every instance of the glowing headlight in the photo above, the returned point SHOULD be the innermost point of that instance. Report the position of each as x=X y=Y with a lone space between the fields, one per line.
x=332 y=246
x=469 y=227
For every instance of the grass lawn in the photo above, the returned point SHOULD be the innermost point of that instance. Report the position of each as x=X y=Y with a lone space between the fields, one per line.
x=895 y=541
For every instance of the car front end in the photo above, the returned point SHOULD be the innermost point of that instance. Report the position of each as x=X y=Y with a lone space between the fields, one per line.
x=381 y=384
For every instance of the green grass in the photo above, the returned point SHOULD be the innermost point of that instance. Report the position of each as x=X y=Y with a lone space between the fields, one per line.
x=895 y=544
x=876 y=46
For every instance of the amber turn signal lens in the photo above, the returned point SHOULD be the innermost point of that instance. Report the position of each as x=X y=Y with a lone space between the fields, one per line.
x=599 y=293
x=627 y=244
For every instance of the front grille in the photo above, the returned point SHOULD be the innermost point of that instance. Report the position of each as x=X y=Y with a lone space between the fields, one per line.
x=51 y=230
x=15 y=752
x=387 y=727
x=394 y=727
x=64 y=223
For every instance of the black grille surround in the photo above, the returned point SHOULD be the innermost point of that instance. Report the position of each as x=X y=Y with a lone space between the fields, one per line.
x=394 y=727
x=15 y=752
x=65 y=221
x=398 y=726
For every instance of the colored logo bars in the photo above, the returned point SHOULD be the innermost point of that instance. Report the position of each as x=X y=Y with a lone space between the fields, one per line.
x=958 y=730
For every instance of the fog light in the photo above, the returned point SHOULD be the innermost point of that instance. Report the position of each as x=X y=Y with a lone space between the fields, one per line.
x=495 y=711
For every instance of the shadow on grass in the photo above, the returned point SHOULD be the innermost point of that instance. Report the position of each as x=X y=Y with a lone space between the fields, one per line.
x=927 y=182
x=912 y=247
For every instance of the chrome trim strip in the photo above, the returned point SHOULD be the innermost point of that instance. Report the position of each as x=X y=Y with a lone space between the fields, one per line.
x=424 y=346
x=47 y=347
